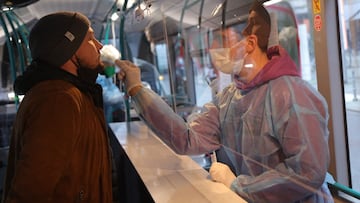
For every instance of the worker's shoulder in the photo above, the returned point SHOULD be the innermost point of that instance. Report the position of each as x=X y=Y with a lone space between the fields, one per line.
x=288 y=81
x=295 y=88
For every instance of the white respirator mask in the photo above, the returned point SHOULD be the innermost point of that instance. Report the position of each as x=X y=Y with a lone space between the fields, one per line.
x=229 y=60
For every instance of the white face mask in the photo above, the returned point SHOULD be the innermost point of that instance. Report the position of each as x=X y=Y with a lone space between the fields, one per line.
x=229 y=60
x=222 y=60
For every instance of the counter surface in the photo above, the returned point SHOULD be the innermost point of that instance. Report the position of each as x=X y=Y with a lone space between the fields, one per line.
x=169 y=177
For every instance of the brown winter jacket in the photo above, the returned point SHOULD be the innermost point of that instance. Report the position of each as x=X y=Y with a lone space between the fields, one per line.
x=59 y=148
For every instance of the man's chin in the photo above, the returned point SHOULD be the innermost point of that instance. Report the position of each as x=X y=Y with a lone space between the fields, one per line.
x=100 y=68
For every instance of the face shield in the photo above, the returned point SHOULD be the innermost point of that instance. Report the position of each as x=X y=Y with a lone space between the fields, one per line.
x=232 y=57
x=258 y=24
x=264 y=25
x=229 y=60
x=228 y=51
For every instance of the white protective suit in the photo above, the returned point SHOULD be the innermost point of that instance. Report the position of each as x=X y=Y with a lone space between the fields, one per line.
x=273 y=136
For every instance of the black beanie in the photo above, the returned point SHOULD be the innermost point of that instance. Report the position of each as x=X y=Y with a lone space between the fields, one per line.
x=56 y=37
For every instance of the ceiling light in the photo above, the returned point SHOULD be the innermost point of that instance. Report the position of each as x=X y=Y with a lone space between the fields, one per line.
x=271 y=2
x=6 y=8
x=216 y=10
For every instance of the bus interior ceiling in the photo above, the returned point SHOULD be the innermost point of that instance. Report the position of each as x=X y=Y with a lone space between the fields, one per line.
x=152 y=11
x=141 y=21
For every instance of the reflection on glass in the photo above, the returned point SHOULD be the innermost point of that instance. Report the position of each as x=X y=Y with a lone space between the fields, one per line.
x=295 y=16
x=162 y=65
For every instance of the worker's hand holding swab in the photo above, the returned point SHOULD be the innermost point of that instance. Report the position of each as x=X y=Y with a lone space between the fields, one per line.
x=130 y=74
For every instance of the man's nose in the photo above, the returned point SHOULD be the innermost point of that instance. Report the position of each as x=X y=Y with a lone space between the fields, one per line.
x=98 y=44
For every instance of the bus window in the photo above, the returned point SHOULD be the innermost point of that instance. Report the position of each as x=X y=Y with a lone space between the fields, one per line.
x=162 y=65
x=295 y=35
x=287 y=29
x=349 y=19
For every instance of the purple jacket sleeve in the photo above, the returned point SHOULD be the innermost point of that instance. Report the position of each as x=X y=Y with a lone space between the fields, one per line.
x=198 y=135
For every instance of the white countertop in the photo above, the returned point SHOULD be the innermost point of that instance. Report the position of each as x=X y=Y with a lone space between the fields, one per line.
x=170 y=178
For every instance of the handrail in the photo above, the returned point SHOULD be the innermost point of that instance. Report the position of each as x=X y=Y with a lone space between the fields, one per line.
x=9 y=46
x=123 y=52
x=17 y=42
x=24 y=33
x=340 y=187
x=107 y=31
x=11 y=53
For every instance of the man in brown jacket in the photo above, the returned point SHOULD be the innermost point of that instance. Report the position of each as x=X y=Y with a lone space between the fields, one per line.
x=59 y=149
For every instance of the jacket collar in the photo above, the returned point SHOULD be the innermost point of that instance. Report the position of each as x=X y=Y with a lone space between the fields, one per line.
x=40 y=71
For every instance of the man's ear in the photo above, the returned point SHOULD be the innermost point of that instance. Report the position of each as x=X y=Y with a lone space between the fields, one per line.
x=251 y=43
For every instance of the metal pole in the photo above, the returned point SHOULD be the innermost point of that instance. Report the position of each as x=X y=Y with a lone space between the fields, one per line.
x=171 y=76
x=18 y=42
x=123 y=51
x=24 y=33
x=11 y=54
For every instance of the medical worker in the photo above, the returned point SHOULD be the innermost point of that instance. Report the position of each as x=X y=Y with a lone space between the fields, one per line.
x=268 y=128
